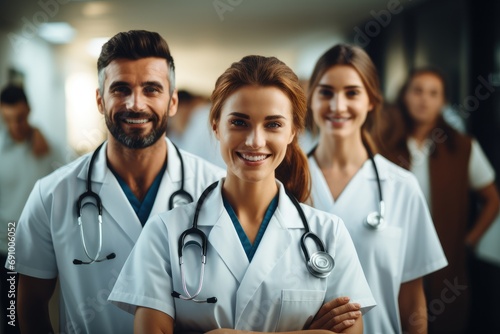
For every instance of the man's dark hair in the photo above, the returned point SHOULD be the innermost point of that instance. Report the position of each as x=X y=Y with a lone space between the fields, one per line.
x=13 y=94
x=133 y=45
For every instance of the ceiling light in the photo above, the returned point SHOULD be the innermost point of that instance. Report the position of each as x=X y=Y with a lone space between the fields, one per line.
x=94 y=9
x=95 y=44
x=56 y=32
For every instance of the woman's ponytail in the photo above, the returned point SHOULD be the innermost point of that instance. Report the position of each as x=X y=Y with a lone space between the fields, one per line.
x=293 y=172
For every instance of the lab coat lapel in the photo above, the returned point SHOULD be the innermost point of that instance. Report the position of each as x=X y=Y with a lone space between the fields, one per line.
x=273 y=246
x=322 y=197
x=170 y=182
x=114 y=201
x=223 y=237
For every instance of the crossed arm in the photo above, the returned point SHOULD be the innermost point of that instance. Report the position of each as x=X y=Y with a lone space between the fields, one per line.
x=335 y=316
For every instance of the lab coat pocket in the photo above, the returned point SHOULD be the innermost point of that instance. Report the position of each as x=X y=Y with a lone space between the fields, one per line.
x=298 y=308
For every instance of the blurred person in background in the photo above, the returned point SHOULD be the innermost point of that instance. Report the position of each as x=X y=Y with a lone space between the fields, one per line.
x=382 y=205
x=448 y=165
x=192 y=131
x=25 y=157
x=187 y=106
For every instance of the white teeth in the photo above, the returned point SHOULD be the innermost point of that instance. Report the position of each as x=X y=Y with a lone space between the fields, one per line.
x=253 y=157
x=338 y=119
x=135 y=121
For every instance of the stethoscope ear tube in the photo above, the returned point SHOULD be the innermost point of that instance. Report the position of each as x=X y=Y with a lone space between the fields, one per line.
x=197 y=231
x=96 y=257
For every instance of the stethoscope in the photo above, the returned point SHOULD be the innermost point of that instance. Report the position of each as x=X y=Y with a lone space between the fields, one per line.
x=375 y=220
x=181 y=194
x=320 y=264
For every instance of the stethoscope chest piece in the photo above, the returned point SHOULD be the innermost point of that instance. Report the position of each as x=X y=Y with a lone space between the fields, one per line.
x=375 y=221
x=320 y=264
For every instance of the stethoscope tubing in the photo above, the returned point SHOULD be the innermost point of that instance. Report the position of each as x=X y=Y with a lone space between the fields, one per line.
x=98 y=205
x=379 y=216
x=320 y=264
x=96 y=258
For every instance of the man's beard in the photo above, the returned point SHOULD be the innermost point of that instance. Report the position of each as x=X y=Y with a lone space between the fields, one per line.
x=135 y=139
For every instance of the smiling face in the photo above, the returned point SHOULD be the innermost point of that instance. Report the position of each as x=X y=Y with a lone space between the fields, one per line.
x=254 y=130
x=340 y=102
x=136 y=102
x=424 y=98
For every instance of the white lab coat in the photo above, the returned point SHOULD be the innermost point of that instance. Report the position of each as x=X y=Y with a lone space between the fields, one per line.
x=48 y=236
x=275 y=292
x=408 y=248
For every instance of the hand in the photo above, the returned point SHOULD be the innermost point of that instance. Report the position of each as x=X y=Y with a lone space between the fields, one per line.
x=336 y=315
x=471 y=240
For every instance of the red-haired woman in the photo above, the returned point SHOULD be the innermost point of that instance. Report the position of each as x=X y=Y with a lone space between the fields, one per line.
x=271 y=263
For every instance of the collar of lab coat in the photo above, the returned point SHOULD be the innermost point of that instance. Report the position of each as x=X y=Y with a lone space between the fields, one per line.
x=286 y=214
x=366 y=169
x=105 y=184
x=101 y=168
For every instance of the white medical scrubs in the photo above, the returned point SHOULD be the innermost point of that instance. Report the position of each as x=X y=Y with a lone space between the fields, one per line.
x=408 y=247
x=48 y=237
x=274 y=292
